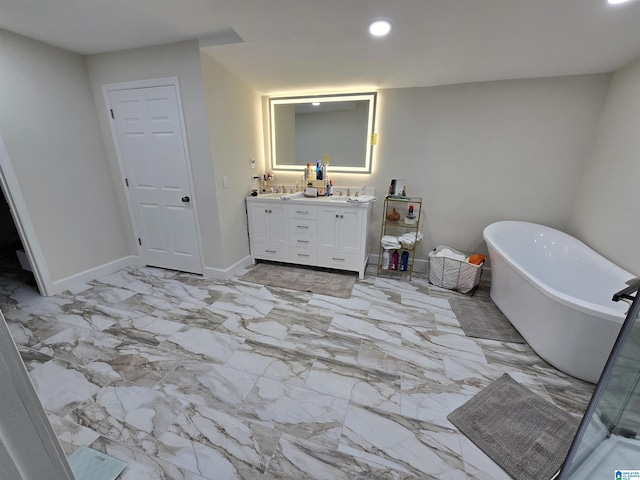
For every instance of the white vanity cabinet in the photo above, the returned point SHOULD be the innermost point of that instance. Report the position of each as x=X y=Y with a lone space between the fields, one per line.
x=268 y=230
x=310 y=231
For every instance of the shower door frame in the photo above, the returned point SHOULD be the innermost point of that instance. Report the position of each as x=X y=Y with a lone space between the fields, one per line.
x=625 y=331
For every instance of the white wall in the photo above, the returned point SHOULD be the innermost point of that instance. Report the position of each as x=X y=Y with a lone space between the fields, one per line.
x=50 y=129
x=476 y=153
x=180 y=60
x=606 y=205
x=481 y=152
x=235 y=129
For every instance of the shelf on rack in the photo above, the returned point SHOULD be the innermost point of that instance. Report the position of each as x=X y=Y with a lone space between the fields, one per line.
x=400 y=224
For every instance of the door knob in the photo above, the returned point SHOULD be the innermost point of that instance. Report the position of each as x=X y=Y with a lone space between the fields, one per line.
x=186 y=199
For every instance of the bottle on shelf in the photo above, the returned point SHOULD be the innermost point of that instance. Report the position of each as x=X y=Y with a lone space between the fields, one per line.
x=404 y=261
x=394 y=260
x=385 y=259
x=308 y=174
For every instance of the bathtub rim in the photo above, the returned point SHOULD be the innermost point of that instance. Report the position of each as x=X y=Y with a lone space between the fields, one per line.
x=603 y=311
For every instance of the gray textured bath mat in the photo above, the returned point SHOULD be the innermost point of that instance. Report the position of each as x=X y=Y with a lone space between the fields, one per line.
x=522 y=432
x=482 y=319
x=302 y=279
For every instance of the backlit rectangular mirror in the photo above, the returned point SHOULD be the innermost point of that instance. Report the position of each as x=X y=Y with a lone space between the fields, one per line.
x=306 y=128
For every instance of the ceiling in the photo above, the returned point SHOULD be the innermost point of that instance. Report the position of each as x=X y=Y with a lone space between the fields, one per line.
x=287 y=46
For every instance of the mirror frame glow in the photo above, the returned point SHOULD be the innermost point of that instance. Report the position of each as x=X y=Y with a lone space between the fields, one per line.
x=364 y=167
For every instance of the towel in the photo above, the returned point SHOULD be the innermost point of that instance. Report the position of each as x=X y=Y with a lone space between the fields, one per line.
x=362 y=199
x=446 y=252
x=291 y=195
x=389 y=242
x=411 y=237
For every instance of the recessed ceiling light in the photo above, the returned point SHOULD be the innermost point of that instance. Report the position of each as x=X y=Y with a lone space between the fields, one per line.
x=379 y=28
x=315 y=104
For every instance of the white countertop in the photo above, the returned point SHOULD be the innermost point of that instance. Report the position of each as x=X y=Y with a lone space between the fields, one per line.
x=300 y=198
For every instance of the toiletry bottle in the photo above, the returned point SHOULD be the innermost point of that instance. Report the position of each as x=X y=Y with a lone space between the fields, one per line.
x=385 y=259
x=318 y=170
x=394 y=260
x=404 y=261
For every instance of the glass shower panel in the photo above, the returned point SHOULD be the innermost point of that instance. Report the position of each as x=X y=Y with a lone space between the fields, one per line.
x=608 y=439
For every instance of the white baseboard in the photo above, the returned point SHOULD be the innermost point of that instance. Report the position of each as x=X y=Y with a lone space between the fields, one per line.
x=76 y=281
x=220 y=274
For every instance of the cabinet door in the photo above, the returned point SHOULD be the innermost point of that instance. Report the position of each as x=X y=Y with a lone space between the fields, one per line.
x=259 y=222
x=277 y=224
x=339 y=229
x=349 y=230
x=267 y=223
x=328 y=226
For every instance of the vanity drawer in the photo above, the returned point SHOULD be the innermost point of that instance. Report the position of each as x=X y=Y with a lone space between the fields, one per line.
x=338 y=260
x=303 y=255
x=303 y=241
x=268 y=251
x=302 y=211
x=303 y=226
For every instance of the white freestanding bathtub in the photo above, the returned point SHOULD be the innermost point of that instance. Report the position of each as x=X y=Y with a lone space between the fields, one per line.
x=556 y=292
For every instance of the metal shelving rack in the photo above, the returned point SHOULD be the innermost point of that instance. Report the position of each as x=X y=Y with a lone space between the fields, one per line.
x=401 y=204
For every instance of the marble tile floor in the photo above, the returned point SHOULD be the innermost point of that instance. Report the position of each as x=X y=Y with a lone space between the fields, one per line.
x=195 y=379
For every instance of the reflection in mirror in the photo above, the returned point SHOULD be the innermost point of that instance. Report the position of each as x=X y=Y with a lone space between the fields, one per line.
x=305 y=129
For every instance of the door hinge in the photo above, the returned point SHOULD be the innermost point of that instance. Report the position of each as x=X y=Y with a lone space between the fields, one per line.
x=139 y=241
x=112 y=115
x=126 y=180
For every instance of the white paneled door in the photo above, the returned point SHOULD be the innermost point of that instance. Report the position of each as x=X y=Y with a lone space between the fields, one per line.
x=151 y=142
